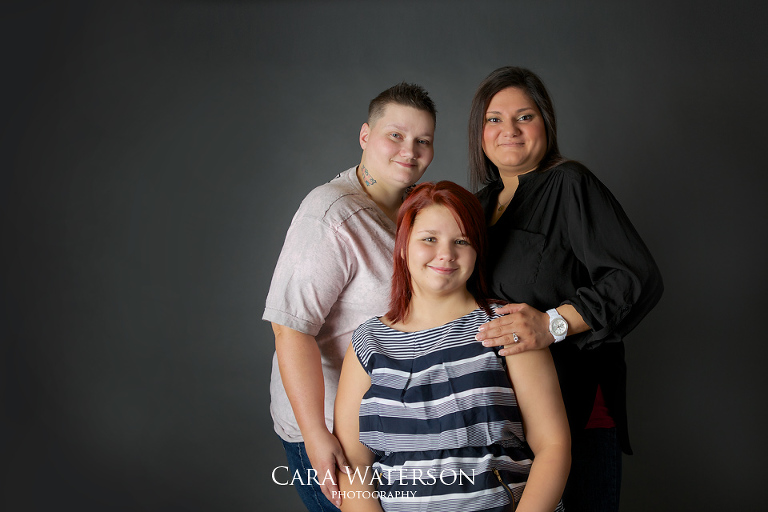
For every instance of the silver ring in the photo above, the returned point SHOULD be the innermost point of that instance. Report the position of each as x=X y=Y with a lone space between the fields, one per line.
x=515 y=337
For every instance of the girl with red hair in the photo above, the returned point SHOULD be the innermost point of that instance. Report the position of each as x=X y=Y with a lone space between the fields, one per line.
x=428 y=417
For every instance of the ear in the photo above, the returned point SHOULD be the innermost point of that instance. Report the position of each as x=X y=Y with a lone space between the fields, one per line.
x=365 y=131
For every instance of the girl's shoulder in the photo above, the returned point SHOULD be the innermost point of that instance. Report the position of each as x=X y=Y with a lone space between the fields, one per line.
x=494 y=305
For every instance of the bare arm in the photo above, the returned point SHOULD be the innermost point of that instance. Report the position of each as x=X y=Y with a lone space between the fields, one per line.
x=298 y=357
x=545 y=424
x=353 y=384
x=530 y=325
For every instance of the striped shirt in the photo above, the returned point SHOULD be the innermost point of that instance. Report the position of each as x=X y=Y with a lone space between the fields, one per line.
x=442 y=418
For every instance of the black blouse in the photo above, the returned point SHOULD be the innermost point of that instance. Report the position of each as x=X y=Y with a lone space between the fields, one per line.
x=564 y=239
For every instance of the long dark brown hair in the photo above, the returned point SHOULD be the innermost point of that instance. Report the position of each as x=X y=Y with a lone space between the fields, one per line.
x=481 y=170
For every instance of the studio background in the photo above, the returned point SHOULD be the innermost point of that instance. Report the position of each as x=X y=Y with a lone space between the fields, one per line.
x=153 y=154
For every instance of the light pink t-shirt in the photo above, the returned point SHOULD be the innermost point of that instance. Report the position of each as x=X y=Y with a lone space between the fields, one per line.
x=334 y=273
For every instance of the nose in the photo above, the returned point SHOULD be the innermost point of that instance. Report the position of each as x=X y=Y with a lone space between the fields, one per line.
x=511 y=129
x=447 y=251
x=409 y=150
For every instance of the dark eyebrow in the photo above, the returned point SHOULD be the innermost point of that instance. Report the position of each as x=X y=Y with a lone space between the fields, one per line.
x=516 y=111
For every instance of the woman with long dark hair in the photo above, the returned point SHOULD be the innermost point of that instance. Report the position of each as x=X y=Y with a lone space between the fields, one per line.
x=577 y=274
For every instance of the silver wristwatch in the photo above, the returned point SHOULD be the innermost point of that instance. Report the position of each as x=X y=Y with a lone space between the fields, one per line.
x=557 y=325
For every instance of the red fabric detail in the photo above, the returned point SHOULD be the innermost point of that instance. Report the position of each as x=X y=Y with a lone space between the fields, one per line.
x=600 y=417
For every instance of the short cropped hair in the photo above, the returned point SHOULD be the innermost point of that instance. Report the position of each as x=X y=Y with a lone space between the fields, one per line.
x=409 y=95
x=469 y=216
x=481 y=170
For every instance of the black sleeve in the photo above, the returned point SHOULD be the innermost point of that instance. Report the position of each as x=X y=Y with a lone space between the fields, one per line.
x=625 y=281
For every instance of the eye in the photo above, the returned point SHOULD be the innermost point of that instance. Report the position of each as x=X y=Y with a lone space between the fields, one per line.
x=395 y=135
x=429 y=239
x=492 y=119
x=526 y=117
x=425 y=142
x=462 y=242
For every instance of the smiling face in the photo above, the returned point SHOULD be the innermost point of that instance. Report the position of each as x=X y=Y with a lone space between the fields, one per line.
x=397 y=148
x=440 y=257
x=514 y=135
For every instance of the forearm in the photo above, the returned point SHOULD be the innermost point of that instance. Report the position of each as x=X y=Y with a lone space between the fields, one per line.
x=576 y=323
x=357 y=485
x=301 y=370
x=546 y=429
x=547 y=479
x=298 y=358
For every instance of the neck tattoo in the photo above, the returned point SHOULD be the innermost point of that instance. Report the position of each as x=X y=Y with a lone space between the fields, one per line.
x=369 y=180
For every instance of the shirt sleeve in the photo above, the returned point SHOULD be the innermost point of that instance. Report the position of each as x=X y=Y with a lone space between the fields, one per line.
x=362 y=348
x=625 y=281
x=312 y=271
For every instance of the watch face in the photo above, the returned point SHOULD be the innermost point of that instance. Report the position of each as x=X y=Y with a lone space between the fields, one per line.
x=558 y=327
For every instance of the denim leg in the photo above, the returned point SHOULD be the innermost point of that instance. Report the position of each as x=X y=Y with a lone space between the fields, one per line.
x=309 y=492
x=594 y=483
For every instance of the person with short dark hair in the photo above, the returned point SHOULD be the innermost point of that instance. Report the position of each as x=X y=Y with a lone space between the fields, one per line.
x=566 y=256
x=333 y=273
x=438 y=421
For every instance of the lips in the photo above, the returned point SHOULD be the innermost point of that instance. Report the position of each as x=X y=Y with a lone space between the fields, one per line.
x=443 y=270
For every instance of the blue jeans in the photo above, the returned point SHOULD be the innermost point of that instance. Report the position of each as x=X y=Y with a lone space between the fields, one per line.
x=594 y=483
x=309 y=492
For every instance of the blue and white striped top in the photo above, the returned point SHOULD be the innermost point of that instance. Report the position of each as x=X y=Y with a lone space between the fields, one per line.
x=442 y=418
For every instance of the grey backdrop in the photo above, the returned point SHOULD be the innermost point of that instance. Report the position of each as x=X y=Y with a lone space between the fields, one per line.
x=152 y=157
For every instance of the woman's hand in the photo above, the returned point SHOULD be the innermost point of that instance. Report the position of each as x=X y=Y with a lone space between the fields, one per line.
x=529 y=324
x=325 y=455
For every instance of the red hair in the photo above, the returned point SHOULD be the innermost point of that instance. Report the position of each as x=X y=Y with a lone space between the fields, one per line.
x=469 y=215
